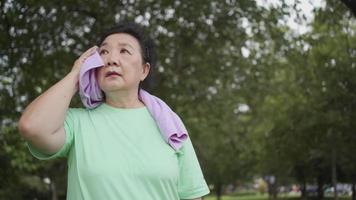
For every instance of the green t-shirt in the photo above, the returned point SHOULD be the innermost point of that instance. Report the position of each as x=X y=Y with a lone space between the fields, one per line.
x=118 y=153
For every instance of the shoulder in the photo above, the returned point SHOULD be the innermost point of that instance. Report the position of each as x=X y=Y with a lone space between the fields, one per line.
x=81 y=114
x=76 y=116
x=77 y=110
x=78 y=113
x=81 y=111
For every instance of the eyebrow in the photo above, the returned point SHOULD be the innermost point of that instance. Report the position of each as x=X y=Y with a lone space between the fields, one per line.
x=120 y=44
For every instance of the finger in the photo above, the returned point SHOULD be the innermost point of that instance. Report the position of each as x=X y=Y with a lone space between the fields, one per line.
x=92 y=49
x=87 y=53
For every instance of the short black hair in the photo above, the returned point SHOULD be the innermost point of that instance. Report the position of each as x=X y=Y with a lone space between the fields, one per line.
x=137 y=31
x=146 y=43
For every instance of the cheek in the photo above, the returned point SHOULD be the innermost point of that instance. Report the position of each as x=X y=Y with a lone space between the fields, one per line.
x=137 y=63
x=99 y=74
x=102 y=57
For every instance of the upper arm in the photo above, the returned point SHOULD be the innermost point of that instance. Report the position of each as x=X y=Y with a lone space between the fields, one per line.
x=57 y=144
x=50 y=143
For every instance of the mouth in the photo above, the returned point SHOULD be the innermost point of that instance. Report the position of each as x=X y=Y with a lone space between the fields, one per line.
x=112 y=74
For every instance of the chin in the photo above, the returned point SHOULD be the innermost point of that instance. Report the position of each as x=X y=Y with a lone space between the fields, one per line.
x=115 y=87
x=111 y=86
x=112 y=89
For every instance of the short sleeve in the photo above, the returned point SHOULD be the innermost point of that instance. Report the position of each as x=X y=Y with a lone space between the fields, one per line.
x=191 y=182
x=63 y=152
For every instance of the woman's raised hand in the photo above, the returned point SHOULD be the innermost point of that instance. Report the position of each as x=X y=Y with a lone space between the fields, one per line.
x=78 y=63
x=42 y=122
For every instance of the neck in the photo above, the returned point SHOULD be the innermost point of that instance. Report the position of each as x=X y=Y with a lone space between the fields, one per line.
x=123 y=99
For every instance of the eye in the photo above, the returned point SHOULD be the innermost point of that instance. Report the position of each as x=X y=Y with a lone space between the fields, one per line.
x=103 y=51
x=125 y=51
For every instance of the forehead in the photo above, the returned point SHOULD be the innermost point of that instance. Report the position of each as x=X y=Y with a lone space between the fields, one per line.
x=121 y=39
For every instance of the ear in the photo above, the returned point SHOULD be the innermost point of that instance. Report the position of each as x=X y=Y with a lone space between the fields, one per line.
x=145 y=70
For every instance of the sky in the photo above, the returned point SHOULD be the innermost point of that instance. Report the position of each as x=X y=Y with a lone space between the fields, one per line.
x=304 y=6
x=297 y=27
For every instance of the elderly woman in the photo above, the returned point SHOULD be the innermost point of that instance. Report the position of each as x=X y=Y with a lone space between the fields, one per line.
x=114 y=151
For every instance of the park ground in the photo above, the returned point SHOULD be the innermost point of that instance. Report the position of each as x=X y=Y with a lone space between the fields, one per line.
x=265 y=197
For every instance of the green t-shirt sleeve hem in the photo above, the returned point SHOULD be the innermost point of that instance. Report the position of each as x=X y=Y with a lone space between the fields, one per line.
x=45 y=156
x=40 y=154
x=195 y=192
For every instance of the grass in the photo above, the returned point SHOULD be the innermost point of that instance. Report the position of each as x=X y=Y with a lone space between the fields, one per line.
x=265 y=197
x=244 y=197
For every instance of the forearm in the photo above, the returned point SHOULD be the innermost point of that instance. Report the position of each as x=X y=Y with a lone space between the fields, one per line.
x=47 y=112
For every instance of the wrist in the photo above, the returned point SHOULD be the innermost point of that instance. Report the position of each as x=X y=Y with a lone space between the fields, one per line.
x=73 y=76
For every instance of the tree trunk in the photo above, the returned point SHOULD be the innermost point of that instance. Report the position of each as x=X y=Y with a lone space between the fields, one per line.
x=275 y=192
x=272 y=187
x=334 y=173
x=303 y=190
x=320 y=188
x=54 y=190
x=353 y=191
x=218 y=191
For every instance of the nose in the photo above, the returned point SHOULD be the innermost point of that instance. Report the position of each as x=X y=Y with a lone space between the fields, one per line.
x=112 y=61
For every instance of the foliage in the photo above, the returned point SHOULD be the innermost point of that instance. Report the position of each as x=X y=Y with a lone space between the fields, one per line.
x=257 y=98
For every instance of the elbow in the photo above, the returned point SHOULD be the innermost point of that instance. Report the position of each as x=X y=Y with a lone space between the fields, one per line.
x=26 y=128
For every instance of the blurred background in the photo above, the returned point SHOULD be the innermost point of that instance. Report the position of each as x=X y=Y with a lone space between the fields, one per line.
x=266 y=88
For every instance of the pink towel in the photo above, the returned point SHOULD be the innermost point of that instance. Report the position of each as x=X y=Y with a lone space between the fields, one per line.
x=89 y=89
x=169 y=123
x=171 y=126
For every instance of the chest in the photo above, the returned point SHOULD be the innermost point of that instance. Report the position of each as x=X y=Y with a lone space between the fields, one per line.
x=118 y=150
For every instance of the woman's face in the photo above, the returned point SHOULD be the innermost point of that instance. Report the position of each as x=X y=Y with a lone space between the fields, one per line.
x=124 y=67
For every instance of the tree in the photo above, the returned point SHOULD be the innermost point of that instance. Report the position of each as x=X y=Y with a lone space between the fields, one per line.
x=256 y=97
x=198 y=54
x=351 y=5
